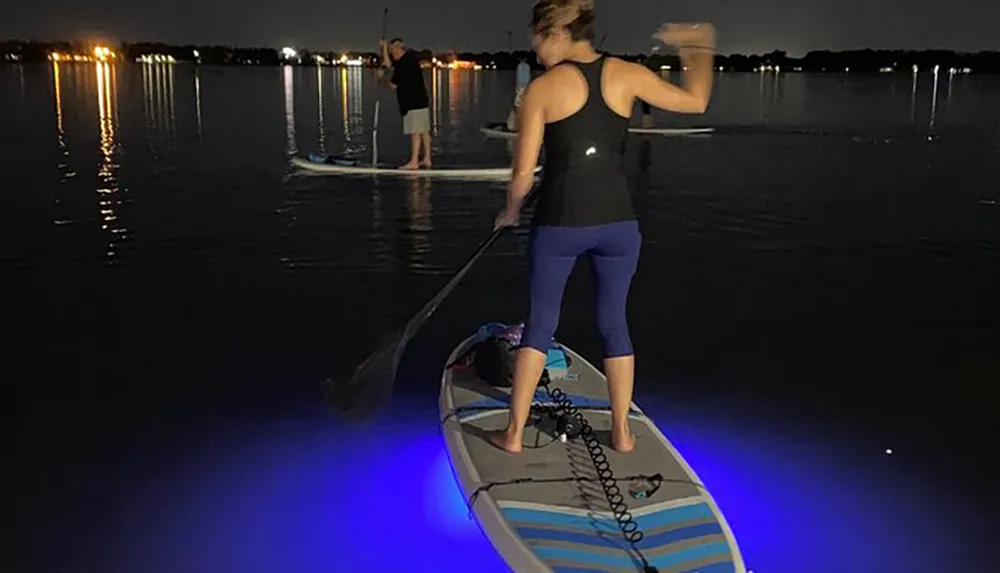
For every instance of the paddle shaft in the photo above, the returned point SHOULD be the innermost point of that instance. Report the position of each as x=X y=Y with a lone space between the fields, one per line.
x=375 y=137
x=385 y=20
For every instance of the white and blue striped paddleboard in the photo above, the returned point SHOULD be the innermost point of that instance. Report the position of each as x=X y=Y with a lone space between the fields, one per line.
x=545 y=509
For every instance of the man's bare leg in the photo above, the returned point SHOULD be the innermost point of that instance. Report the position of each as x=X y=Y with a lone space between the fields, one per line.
x=414 y=161
x=426 y=138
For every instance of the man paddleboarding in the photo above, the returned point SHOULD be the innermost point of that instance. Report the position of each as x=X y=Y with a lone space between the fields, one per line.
x=580 y=107
x=411 y=94
x=523 y=78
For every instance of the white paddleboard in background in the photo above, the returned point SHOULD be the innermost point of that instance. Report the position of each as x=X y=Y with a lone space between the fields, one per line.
x=671 y=130
x=500 y=131
x=334 y=166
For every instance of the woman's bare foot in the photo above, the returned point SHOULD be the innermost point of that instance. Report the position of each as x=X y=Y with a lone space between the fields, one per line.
x=427 y=163
x=410 y=165
x=502 y=440
x=622 y=441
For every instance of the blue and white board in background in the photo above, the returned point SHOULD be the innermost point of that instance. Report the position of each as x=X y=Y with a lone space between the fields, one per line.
x=333 y=165
x=565 y=526
x=500 y=131
x=671 y=130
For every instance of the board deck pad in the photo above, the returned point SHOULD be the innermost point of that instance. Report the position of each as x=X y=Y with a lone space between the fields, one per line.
x=567 y=525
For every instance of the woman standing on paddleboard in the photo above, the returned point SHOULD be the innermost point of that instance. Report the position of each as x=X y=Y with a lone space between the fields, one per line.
x=581 y=107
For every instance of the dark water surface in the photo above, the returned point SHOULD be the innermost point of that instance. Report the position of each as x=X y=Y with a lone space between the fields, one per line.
x=819 y=284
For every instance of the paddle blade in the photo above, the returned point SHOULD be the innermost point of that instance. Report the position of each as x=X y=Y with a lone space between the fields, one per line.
x=370 y=387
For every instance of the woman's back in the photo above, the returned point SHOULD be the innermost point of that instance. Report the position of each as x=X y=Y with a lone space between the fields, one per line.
x=585 y=130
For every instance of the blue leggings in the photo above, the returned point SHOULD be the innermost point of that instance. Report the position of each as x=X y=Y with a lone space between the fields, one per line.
x=613 y=250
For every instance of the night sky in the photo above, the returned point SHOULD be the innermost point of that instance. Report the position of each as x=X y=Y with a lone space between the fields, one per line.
x=480 y=25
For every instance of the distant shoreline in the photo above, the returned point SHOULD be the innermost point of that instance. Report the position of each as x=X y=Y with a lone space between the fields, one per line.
x=854 y=61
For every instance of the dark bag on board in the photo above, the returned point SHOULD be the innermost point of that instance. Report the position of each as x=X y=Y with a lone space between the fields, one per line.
x=493 y=356
x=493 y=362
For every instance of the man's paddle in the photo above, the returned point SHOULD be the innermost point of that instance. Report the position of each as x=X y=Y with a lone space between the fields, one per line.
x=371 y=384
x=381 y=47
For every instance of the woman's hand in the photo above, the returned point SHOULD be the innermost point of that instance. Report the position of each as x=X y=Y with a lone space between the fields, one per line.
x=507 y=218
x=687 y=35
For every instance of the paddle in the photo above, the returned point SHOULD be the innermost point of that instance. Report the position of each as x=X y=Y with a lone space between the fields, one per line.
x=371 y=384
x=378 y=93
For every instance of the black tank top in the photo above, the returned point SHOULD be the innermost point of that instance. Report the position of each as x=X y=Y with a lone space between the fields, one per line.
x=584 y=180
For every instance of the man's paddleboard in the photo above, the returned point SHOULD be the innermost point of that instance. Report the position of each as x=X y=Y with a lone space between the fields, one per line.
x=671 y=130
x=500 y=131
x=546 y=509
x=342 y=166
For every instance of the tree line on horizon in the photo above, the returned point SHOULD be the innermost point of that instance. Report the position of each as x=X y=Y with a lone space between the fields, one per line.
x=867 y=60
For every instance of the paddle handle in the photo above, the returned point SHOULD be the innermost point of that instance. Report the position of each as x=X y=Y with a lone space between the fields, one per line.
x=375 y=136
x=381 y=47
x=381 y=43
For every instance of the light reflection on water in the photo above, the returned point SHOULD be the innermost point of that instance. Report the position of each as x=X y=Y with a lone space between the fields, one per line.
x=356 y=131
x=109 y=189
x=197 y=98
x=421 y=216
x=288 y=74
x=319 y=101
x=64 y=167
x=302 y=494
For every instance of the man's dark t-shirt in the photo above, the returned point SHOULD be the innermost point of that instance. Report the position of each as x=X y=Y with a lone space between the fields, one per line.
x=409 y=80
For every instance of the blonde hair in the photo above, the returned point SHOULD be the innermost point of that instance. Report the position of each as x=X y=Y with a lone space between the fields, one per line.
x=577 y=16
